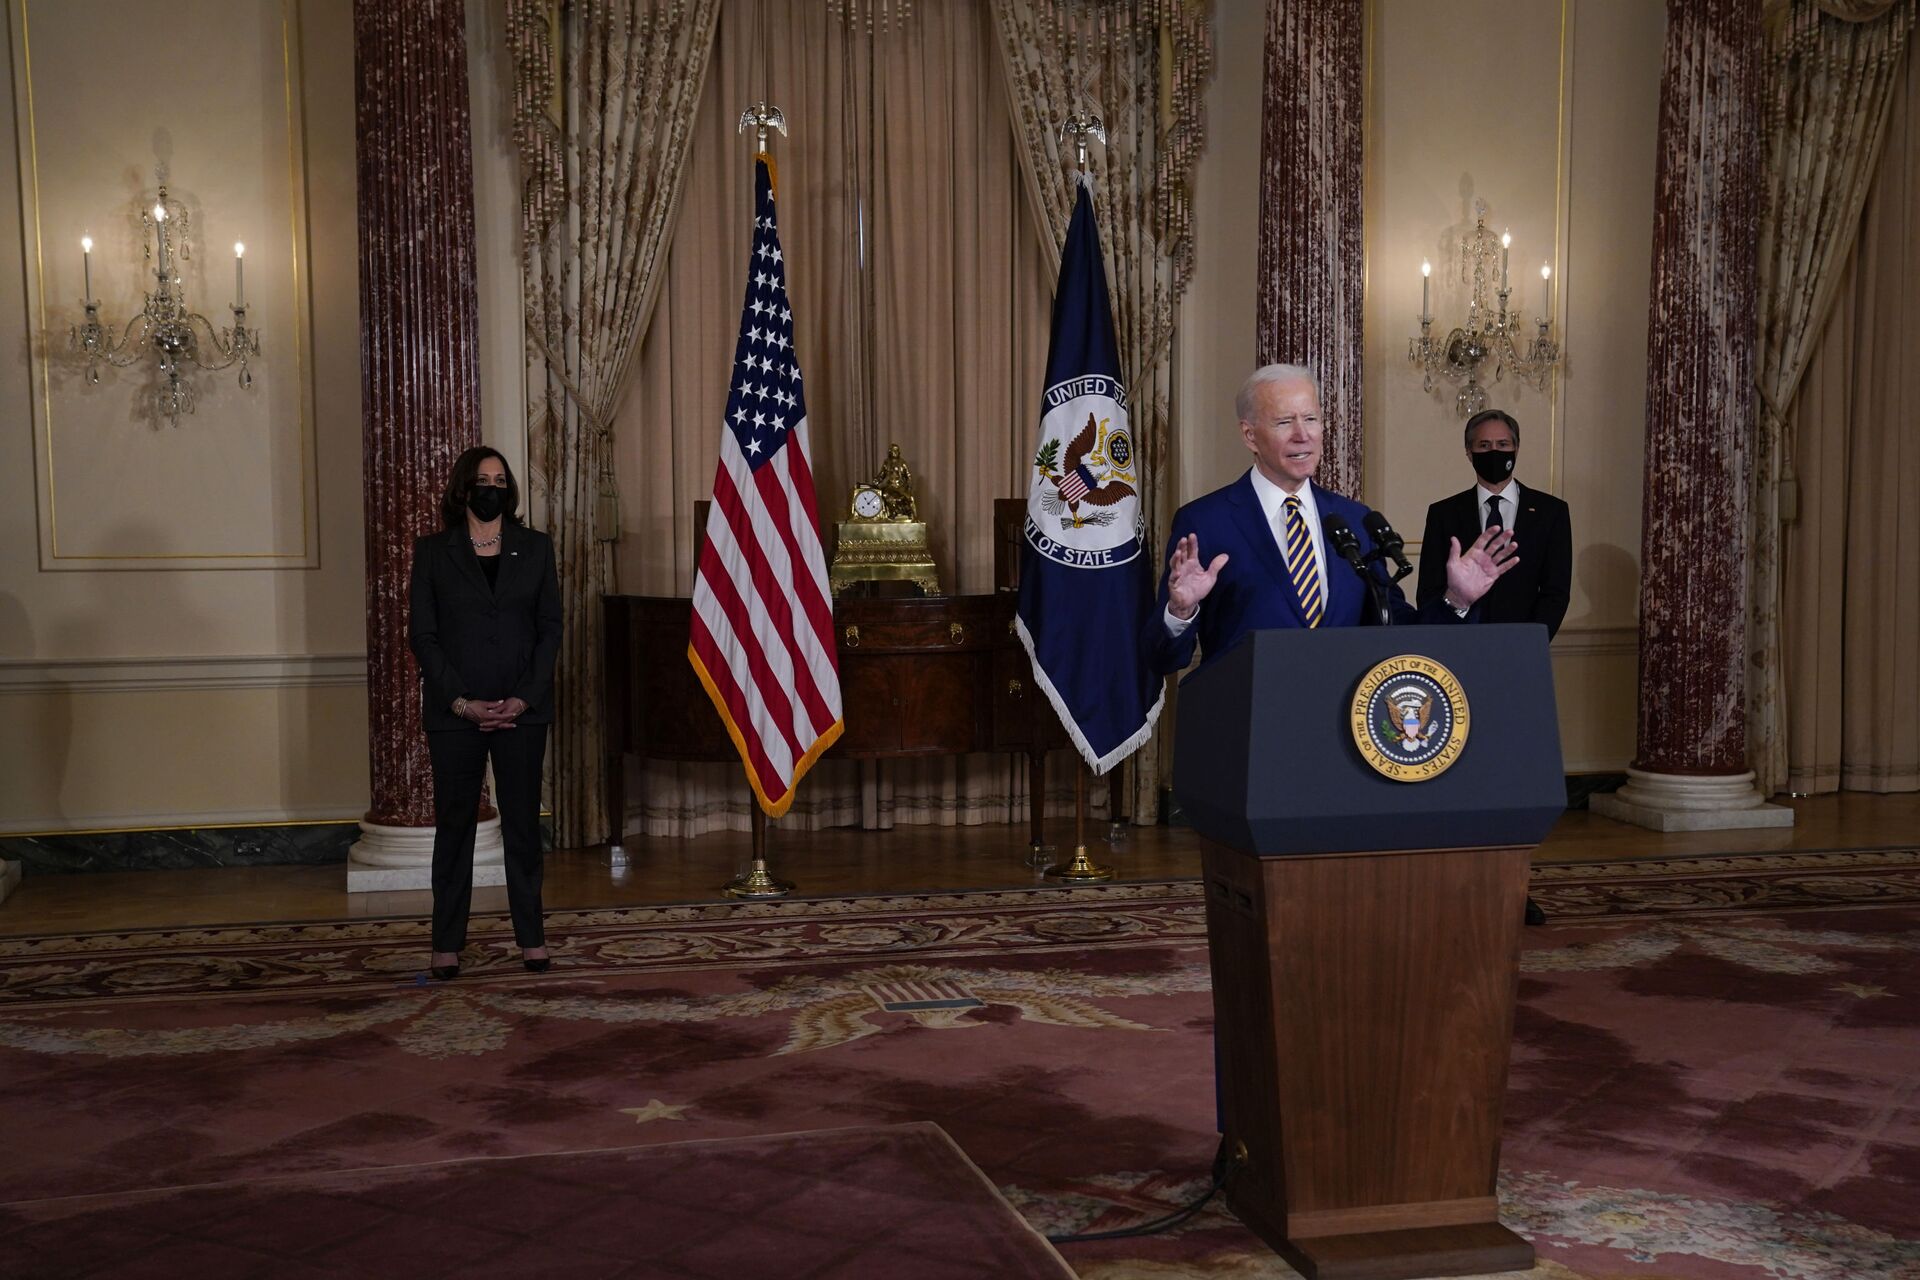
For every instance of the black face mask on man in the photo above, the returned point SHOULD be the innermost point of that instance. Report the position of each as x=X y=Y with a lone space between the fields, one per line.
x=1493 y=465
x=486 y=502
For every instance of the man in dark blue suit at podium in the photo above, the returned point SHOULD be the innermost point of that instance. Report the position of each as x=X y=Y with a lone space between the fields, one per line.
x=1269 y=562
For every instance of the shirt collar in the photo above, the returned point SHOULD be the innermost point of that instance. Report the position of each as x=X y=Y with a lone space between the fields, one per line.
x=1512 y=494
x=1273 y=499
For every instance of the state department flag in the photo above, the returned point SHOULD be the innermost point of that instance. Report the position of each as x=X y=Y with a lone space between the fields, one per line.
x=762 y=640
x=1084 y=587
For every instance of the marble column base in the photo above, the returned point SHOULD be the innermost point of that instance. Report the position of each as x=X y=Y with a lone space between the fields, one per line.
x=9 y=878
x=390 y=858
x=1686 y=802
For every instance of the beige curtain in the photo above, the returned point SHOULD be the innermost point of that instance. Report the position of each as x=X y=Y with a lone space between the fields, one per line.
x=1830 y=84
x=1852 y=559
x=922 y=303
x=1141 y=66
x=604 y=93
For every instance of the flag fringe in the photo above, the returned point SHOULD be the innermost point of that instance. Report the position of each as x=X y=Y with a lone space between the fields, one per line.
x=1098 y=763
x=777 y=807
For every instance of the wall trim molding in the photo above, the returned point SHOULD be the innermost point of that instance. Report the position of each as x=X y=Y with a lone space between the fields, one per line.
x=127 y=823
x=1596 y=642
x=171 y=675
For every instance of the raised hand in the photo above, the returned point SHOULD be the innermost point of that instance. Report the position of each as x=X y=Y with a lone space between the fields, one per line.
x=1471 y=573
x=1187 y=581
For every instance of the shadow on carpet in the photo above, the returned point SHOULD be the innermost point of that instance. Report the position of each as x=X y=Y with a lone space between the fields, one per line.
x=863 y=1204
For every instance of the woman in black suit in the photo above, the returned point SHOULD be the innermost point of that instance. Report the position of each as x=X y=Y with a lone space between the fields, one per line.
x=486 y=631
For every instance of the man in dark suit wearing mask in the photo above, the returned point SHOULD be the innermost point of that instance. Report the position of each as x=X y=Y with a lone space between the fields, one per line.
x=1538 y=588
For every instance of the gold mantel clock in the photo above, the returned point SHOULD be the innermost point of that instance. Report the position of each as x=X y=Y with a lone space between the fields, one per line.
x=882 y=539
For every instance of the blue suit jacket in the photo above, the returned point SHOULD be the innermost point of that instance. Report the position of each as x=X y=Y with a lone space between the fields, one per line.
x=1252 y=592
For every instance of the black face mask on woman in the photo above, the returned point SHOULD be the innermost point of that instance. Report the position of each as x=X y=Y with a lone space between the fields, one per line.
x=486 y=502
x=1493 y=465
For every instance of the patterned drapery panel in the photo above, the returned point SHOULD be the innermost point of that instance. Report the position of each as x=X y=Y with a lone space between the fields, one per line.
x=1308 y=308
x=1830 y=83
x=1700 y=402
x=604 y=96
x=1142 y=67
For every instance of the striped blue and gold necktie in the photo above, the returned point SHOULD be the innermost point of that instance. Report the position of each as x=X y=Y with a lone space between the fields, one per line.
x=1301 y=569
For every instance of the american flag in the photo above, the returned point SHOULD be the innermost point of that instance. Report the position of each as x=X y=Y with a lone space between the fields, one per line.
x=762 y=639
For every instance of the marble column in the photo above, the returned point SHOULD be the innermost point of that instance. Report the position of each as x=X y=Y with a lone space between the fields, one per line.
x=420 y=389
x=1308 y=304
x=1690 y=771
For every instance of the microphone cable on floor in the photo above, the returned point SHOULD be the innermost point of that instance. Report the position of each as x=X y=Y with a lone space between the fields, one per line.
x=1225 y=1164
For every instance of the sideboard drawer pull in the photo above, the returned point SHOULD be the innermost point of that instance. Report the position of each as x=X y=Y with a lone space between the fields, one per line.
x=956 y=633
x=852 y=636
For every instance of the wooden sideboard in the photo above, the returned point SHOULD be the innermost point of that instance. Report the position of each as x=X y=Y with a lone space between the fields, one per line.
x=919 y=676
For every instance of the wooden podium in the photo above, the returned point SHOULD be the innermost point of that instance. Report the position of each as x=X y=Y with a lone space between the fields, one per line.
x=1365 y=937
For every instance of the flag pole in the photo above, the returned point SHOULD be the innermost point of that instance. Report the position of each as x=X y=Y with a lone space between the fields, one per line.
x=1082 y=870
x=757 y=881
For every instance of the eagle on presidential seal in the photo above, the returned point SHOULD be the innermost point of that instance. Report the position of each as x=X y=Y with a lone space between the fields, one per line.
x=1415 y=706
x=1096 y=474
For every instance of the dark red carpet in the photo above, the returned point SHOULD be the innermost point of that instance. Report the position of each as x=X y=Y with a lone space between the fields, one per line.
x=864 y=1204
x=1697 y=1093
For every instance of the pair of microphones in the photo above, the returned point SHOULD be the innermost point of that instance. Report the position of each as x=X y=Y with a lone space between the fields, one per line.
x=1387 y=544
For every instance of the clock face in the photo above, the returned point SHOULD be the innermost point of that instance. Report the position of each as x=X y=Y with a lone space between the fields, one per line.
x=867 y=503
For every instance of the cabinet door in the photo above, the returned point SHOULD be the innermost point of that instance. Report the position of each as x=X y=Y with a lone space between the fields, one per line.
x=939 y=702
x=867 y=704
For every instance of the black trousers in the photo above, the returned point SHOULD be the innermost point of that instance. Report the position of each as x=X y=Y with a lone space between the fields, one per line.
x=459 y=769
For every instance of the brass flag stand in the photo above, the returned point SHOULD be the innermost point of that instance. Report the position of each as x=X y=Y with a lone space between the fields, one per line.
x=756 y=881
x=1082 y=870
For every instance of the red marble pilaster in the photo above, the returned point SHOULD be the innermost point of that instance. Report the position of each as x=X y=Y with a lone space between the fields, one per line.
x=419 y=322
x=1311 y=169
x=1700 y=395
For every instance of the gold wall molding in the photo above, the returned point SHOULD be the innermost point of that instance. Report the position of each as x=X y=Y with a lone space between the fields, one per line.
x=174 y=820
x=92 y=446
x=179 y=675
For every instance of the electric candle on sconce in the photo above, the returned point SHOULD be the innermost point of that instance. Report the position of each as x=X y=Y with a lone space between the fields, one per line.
x=1426 y=282
x=160 y=233
x=1506 y=243
x=1546 y=293
x=86 y=268
x=239 y=279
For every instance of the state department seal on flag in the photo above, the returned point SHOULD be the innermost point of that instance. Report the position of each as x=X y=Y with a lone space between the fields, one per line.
x=1409 y=718
x=1083 y=507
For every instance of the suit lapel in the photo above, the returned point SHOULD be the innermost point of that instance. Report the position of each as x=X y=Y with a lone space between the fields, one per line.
x=512 y=553
x=1261 y=537
x=1339 y=581
x=1526 y=517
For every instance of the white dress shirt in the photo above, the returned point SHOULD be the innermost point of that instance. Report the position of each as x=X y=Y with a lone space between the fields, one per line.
x=1509 y=504
x=1273 y=501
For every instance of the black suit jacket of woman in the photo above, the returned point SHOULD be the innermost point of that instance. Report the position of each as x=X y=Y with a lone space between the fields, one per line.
x=1535 y=590
x=480 y=642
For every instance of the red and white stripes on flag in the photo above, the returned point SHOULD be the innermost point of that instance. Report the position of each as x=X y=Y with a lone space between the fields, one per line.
x=762 y=640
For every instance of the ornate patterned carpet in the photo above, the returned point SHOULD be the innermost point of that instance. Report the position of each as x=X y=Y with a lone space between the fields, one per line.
x=1716 y=1069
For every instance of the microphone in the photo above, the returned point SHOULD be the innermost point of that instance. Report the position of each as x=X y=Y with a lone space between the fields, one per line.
x=1345 y=543
x=1390 y=543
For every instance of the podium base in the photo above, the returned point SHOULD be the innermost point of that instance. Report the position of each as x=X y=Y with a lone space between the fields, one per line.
x=1479 y=1248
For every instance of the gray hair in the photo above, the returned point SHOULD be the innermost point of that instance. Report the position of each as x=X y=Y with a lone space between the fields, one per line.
x=1243 y=403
